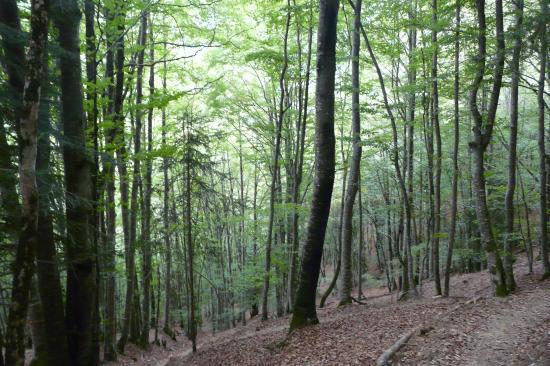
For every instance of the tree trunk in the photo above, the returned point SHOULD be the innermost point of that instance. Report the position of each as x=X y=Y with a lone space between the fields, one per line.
x=482 y=133
x=189 y=241
x=166 y=218
x=454 y=184
x=81 y=272
x=346 y=283
x=109 y=244
x=121 y=160
x=13 y=63
x=541 y=142
x=438 y=157
x=146 y=229
x=23 y=266
x=48 y=286
x=299 y=163
x=304 y=307
x=509 y=236
x=275 y=166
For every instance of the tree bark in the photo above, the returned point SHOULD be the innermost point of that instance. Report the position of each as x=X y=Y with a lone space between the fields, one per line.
x=166 y=218
x=81 y=272
x=454 y=184
x=304 y=307
x=438 y=157
x=23 y=267
x=509 y=235
x=275 y=166
x=13 y=64
x=541 y=142
x=48 y=285
x=482 y=133
x=192 y=334
x=109 y=244
x=346 y=283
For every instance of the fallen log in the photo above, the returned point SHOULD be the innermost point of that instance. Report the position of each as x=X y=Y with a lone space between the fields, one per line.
x=390 y=352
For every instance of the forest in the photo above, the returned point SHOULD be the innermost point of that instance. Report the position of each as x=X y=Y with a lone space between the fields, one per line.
x=286 y=182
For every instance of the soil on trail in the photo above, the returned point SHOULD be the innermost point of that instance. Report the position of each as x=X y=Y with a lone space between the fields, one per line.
x=490 y=331
x=509 y=331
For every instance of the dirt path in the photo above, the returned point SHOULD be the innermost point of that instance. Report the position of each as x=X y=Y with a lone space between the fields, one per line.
x=493 y=331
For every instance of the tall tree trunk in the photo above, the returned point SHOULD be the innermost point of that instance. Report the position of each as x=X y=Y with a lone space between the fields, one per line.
x=13 y=49
x=409 y=158
x=275 y=165
x=360 y=252
x=304 y=307
x=121 y=161
x=192 y=334
x=129 y=309
x=299 y=163
x=454 y=184
x=146 y=265
x=353 y=181
x=166 y=218
x=109 y=244
x=23 y=267
x=438 y=157
x=93 y=137
x=81 y=273
x=509 y=235
x=482 y=133
x=48 y=286
x=541 y=142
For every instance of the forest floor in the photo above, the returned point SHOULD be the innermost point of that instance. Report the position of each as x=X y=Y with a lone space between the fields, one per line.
x=470 y=328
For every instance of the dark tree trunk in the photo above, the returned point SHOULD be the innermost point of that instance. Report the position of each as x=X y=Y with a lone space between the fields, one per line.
x=23 y=266
x=438 y=157
x=13 y=64
x=81 y=272
x=109 y=244
x=48 y=285
x=541 y=142
x=304 y=307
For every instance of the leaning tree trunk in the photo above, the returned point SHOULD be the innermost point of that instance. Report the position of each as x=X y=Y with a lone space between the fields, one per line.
x=353 y=181
x=482 y=133
x=23 y=267
x=304 y=312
